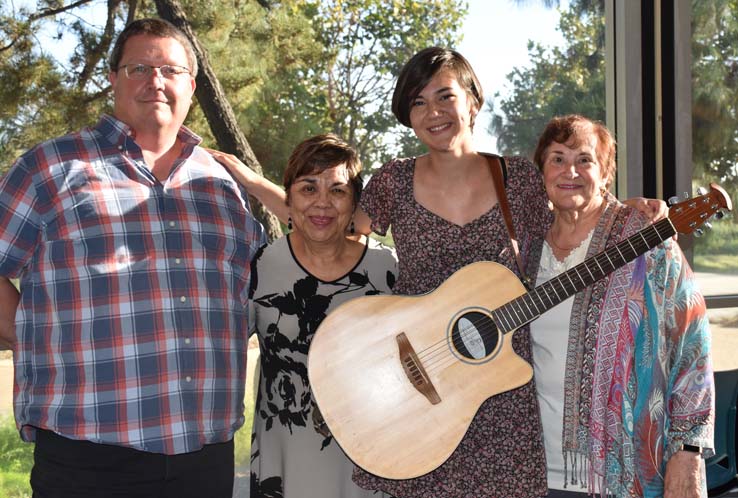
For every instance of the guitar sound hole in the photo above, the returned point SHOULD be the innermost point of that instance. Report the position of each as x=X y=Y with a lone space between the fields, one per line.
x=474 y=335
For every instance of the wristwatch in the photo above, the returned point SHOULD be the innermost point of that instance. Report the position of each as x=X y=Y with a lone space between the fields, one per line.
x=691 y=448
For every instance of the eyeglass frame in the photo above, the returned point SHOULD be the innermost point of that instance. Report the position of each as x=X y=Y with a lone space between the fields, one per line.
x=150 y=69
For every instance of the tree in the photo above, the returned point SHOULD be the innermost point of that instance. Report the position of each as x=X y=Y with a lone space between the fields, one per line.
x=715 y=92
x=217 y=109
x=290 y=69
x=366 y=43
x=570 y=79
x=40 y=94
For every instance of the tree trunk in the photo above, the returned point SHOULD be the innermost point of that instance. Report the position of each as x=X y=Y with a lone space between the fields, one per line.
x=218 y=111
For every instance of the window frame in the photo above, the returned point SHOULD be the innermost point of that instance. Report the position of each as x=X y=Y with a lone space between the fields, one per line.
x=649 y=103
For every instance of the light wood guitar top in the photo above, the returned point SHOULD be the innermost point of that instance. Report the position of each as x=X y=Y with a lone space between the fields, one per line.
x=382 y=422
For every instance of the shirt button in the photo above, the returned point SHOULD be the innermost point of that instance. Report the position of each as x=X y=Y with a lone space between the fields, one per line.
x=183 y=299
x=188 y=378
x=171 y=223
x=120 y=147
x=187 y=340
x=177 y=260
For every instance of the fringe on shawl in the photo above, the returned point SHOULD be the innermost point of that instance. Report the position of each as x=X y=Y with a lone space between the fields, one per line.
x=579 y=471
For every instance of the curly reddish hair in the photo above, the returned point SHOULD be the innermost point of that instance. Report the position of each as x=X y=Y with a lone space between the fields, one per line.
x=572 y=129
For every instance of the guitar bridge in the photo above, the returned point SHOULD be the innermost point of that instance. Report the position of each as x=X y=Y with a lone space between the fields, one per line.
x=414 y=370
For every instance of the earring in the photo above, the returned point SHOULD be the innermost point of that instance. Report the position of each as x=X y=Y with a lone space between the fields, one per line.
x=603 y=189
x=352 y=229
x=289 y=223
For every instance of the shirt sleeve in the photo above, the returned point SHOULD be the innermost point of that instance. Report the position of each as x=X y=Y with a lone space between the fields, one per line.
x=377 y=199
x=530 y=202
x=252 y=308
x=691 y=390
x=20 y=221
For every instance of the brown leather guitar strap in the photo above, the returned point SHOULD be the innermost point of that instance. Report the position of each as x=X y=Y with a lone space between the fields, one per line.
x=496 y=166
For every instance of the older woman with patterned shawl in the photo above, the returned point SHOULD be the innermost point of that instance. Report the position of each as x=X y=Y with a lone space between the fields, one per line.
x=623 y=368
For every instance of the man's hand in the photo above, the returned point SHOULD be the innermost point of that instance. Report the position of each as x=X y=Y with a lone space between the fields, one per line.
x=683 y=475
x=9 y=298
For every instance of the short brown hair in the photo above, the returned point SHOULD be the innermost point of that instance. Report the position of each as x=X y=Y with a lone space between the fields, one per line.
x=421 y=68
x=319 y=153
x=153 y=27
x=573 y=127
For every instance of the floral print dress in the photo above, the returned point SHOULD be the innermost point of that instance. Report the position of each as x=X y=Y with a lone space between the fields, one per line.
x=502 y=454
x=292 y=453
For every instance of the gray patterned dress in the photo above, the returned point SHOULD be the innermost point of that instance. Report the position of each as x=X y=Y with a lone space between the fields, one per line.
x=291 y=455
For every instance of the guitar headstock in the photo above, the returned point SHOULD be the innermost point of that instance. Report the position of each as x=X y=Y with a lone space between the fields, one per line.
x=689 y=215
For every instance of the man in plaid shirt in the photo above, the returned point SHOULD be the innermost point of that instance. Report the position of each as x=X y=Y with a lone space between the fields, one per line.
x=133 y=247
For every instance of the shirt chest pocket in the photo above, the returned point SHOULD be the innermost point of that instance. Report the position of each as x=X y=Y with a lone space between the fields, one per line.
x=90 y=206
x=215 y=213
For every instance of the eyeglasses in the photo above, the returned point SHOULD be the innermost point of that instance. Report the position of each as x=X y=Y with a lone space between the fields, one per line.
x=143 y=71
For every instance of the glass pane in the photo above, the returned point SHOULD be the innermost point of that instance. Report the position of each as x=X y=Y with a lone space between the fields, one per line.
x=724 y=327
x=715 y=136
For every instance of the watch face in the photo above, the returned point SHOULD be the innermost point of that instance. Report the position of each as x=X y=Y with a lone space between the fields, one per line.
x=692 y=448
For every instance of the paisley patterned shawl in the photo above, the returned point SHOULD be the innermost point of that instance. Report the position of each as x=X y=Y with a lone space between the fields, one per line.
x=638 y=369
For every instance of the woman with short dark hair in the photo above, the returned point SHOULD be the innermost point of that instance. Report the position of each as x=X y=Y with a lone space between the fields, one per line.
x=296 y=281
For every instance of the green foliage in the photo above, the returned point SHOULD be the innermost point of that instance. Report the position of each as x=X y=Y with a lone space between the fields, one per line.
x=15 y=455
x=366 y=43
x=557 y=81
x=243 y=436
x=715 y=92
x=260 y=57
x=40 y=96
x=16 y=461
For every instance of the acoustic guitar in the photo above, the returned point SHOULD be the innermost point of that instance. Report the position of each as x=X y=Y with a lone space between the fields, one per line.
x=398 y=379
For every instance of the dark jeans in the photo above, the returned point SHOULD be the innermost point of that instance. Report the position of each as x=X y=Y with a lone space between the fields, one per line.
x=65 y=468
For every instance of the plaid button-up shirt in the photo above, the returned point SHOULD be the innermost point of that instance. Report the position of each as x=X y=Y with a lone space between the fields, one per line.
x=132 y=325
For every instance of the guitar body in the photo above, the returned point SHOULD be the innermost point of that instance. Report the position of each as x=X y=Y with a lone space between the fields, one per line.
x=383 y=422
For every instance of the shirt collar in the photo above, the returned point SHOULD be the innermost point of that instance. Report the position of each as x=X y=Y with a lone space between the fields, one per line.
x=116 y=132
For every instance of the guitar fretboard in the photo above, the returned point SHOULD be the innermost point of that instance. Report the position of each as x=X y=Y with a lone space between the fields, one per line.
x=531 y=305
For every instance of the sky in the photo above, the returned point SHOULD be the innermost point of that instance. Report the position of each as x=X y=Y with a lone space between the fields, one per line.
x=495 y=40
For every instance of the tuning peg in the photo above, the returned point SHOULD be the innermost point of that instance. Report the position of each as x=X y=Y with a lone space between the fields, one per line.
x=707 y=225
x=686 y=195
x=701 y=191
x=699 y=233
x=673 y=200
x=719 y=215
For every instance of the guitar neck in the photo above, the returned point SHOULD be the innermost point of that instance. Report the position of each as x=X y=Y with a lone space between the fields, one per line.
x=533 y=304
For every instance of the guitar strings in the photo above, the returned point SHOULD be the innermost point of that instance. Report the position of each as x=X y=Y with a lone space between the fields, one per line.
x=434 y=350
x=485 y=332
x=652 y=238
x=436 y=356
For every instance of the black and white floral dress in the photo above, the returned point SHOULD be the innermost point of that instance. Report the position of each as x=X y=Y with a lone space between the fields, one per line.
x=292 y=456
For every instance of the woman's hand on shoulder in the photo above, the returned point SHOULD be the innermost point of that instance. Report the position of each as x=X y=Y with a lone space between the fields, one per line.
x=271 y=195
x=653 y=209
x=245 y=175
x=683 y=475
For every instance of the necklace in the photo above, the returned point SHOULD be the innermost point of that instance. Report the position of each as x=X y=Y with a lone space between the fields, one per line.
x=551 y=241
